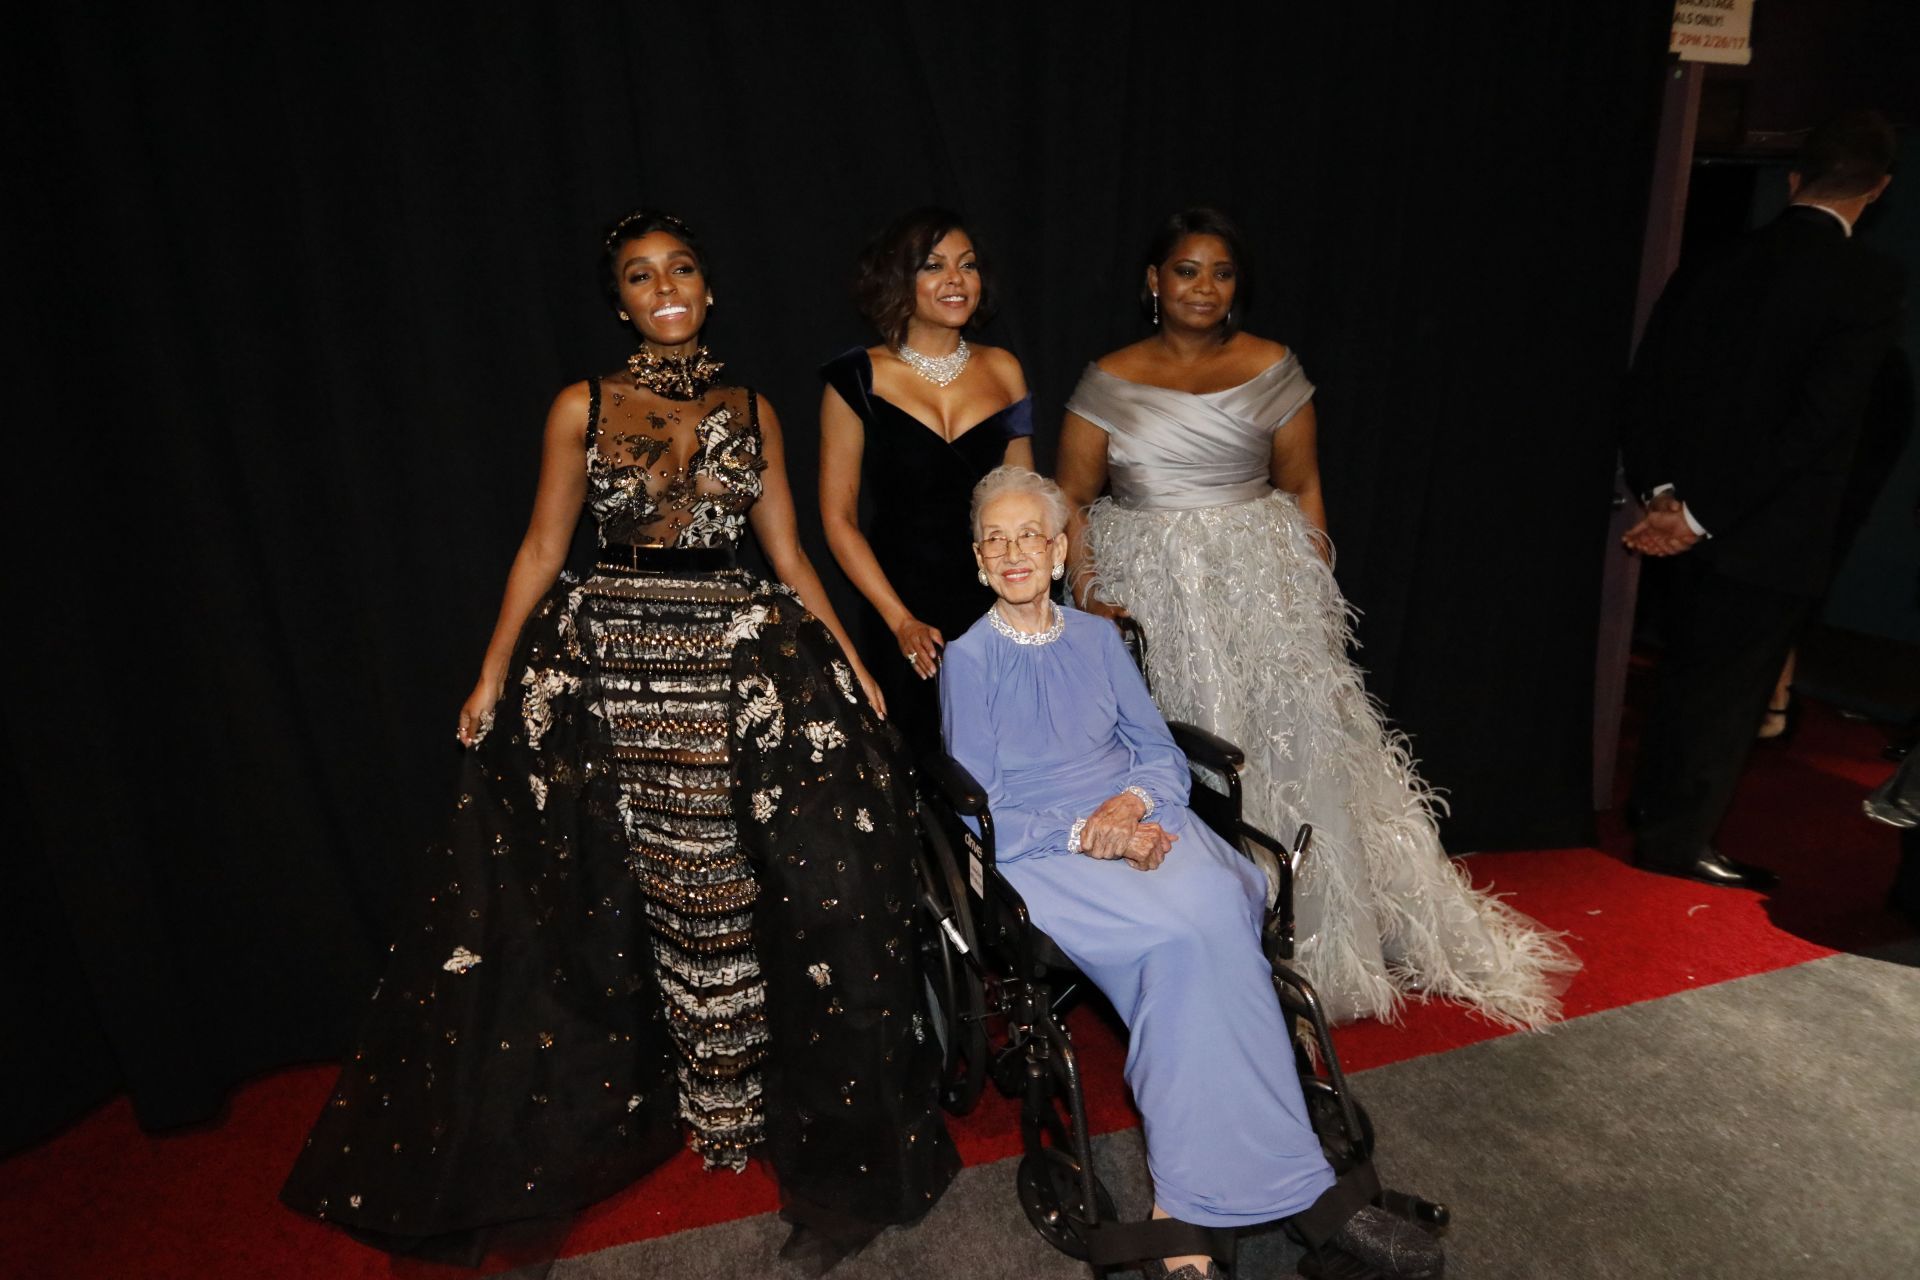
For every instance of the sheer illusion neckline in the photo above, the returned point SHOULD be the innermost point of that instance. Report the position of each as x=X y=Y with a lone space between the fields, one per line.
x=921 y=422
x=1267 y=372
x=685 y=465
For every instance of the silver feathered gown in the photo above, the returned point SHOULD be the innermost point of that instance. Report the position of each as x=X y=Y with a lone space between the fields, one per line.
x=1248 y=636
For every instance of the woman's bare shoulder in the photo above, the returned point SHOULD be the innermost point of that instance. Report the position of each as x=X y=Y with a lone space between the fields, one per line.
x=1259 y=351
x=1129 y=361
x=1003 y=366
x=571 y=404
x=995 y=358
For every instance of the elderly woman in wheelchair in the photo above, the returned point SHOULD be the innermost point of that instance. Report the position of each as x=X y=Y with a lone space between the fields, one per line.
x=1088 y=797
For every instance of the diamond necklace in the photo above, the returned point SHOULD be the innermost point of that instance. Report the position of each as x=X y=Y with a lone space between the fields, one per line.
x=1046 y=636
x=939 y=370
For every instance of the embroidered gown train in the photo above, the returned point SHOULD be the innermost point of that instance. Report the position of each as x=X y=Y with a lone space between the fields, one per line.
x=677 y=889
x=1248 y=636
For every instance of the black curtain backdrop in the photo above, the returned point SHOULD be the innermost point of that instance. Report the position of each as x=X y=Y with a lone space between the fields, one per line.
x=294 y=287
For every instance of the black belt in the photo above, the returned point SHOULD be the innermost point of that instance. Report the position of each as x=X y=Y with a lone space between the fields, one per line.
x=645 y=559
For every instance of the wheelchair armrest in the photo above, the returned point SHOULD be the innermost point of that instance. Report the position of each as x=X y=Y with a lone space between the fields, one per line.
x=1277 y=931
x=1281 y=854
x=1205 y=748
x=1033 y=953
x=955 y=784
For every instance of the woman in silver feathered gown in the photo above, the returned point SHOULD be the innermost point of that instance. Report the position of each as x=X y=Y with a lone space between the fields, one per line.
x=1214 y=538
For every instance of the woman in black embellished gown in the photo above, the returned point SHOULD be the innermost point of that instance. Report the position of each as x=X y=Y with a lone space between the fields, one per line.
x=915 y=422
x=677 y=886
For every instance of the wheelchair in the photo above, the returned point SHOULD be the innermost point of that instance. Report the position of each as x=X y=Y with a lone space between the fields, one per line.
x=987 y=963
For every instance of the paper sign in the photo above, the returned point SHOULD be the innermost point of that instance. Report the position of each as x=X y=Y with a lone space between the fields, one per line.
x=1713 y=31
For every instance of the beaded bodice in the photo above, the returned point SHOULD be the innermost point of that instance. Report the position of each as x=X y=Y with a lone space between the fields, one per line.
x=671 y=473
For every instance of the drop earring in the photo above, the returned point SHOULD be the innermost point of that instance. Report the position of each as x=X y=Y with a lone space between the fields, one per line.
x=1156 y=311
x=982 y=575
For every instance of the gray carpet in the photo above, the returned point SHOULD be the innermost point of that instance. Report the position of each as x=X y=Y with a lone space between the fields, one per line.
x=1765 y=1127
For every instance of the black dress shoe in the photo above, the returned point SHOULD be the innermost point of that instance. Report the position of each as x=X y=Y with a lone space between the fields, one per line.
x=1714 y=867
x=1376 y=1245
x=1758 y=877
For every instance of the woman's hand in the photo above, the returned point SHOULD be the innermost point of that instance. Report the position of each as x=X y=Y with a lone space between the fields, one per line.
x=919 y=645
x=868 y=685
x=476 y=714
x=1149 y=846
x=1110 y=828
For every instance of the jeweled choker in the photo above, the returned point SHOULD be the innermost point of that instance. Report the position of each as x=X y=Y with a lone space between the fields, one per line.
x=1047 y=636
x=939 y=370
x=684 y=377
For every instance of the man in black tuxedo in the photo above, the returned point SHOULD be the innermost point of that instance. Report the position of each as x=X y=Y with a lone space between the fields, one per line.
x=1744 y=409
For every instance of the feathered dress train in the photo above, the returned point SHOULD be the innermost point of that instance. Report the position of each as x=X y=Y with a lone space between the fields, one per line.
x=1248 y=636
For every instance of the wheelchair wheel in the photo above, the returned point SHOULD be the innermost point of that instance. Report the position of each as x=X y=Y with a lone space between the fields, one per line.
x=1049 y=1187
x=1343 y=1150
x=956 y=995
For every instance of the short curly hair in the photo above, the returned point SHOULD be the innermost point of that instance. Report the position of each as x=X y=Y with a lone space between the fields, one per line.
x=883 y=280
x=1001 y=481
x=644 y=222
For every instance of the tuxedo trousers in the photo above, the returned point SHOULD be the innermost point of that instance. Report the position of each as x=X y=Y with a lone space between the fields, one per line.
x=1726 y=642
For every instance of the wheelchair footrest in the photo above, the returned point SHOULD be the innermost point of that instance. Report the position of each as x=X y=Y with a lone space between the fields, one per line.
x=1421 y=1213
x=1331 y=1265
x=1379 y=1251
x=1114 y=1244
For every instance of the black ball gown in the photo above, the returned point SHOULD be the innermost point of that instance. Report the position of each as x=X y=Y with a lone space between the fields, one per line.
x=677 y=888
x=920 y=487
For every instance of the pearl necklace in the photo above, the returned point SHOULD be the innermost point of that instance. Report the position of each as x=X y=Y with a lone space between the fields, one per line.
x=939 y=370
x=1048 y=636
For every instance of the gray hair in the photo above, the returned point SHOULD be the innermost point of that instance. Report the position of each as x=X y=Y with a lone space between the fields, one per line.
x=1001 y=481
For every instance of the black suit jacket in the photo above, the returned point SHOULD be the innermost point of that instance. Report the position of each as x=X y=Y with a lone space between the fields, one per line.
x=1749 y=391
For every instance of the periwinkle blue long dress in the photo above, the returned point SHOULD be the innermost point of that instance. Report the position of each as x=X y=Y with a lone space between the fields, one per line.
x=1052 y=725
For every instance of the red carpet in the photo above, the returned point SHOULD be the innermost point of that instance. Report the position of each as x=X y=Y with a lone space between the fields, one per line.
x=104 y=1200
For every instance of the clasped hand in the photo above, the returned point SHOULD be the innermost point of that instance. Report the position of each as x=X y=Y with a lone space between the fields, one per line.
x=1663 y=530
x=1115 y=830
x=920 y=645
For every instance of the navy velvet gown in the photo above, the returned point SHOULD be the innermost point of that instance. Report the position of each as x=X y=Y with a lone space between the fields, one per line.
x=919 y=487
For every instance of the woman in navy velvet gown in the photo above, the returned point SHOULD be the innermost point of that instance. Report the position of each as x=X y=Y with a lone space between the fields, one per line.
x=914 y=422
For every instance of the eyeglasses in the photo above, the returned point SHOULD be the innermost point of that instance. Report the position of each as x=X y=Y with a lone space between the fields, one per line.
x=998 y=545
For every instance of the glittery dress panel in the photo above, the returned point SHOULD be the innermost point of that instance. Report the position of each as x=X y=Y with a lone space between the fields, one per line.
x=585 y=979
x=1248 y=636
